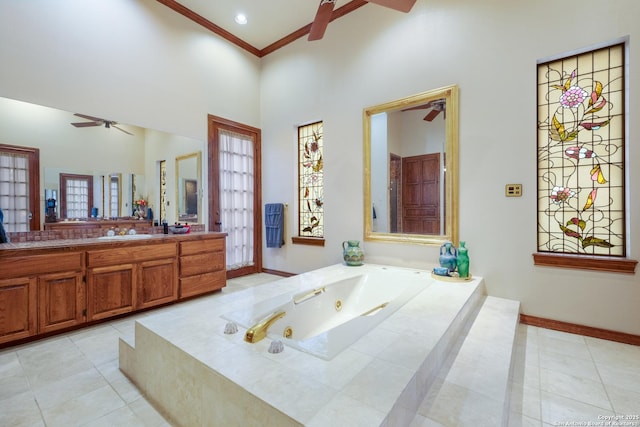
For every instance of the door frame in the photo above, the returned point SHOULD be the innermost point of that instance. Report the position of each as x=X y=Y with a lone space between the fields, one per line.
x=216 y=123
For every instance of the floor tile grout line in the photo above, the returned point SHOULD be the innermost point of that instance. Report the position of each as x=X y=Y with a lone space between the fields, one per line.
x=604 y=385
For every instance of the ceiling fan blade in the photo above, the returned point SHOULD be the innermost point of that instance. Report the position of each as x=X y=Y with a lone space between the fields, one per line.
x=432 y=114
x=120 y=129
x=86 y=124
x=400 y=5
x=320 y=22
x=84 y=116
x=418 y=107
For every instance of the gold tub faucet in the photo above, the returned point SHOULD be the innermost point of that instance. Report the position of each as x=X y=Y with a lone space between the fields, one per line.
x=258 y=331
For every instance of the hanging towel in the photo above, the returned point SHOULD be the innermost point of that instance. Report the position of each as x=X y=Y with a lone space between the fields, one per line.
x=4 y=238
x=274 y=223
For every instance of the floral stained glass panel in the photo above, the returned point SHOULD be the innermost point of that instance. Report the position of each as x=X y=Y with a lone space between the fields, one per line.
x=581 y=154
x=310 y=180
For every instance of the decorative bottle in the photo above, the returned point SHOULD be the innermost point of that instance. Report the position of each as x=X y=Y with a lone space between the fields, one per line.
x=448 y=256
x=463 y=261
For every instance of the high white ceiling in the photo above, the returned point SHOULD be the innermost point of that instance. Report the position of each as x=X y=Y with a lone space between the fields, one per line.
x=268 y=20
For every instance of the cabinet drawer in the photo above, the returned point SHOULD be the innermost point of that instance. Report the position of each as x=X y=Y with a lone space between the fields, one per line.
x=202 y=283
x=41 y=264
x=200 y=246
x=201 y=263
x=124 y=255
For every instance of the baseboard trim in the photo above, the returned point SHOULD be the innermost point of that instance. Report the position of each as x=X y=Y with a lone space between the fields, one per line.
x=277 y=272
x=588 y=331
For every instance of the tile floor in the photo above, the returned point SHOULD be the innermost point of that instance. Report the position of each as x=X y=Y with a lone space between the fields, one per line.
x=565 y=379
x=73 y=379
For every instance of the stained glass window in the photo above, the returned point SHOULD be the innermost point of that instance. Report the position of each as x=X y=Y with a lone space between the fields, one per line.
x=310 y=180
x=163 y=190
x=581 y=196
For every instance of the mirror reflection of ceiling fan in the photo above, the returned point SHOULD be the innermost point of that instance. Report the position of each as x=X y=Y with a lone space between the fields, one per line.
x=96 y=121
x=437 y=106
x=325 y=11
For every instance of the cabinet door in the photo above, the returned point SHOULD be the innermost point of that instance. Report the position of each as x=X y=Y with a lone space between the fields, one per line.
x=157 y=282
x=110 y=291
x=61 y=301
x=17 y=308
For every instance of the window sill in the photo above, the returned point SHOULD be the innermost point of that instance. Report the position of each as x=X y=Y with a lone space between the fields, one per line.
x=614 y=265
x=311 y=241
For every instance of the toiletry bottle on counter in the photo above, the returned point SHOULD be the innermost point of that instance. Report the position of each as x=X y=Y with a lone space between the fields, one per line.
x=165 y=227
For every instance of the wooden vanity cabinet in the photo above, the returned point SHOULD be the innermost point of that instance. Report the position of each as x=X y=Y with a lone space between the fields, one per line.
x=18 y=309
x=41 y=293
x=124 y=279
x=51 y=288
x=202 y=266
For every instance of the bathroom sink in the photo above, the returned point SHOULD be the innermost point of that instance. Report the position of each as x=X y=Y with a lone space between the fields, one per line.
x=126 y=237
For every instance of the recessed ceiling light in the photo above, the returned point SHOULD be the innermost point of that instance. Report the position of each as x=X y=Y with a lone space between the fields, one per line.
x=241 y=19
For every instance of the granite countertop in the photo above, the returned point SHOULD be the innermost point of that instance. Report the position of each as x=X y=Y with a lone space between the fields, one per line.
x=7 y=249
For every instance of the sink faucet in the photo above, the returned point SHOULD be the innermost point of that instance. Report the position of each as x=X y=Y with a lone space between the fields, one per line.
x=258 y=331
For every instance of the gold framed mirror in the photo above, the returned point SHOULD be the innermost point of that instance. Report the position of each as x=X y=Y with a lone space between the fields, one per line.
x=411 y=169
x=188 y=184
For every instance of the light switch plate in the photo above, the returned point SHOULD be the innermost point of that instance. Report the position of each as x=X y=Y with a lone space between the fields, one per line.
x=513 y=190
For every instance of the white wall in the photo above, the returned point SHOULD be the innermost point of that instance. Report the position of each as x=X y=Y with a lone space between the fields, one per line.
x=135 y=62
x=489 y=49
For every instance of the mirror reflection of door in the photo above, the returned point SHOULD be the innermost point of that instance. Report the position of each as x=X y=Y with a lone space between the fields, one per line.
x=19 y=187
x=421 y=194
x=76 y=195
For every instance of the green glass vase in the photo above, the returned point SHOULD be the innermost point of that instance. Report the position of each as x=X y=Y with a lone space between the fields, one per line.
x=463 y=261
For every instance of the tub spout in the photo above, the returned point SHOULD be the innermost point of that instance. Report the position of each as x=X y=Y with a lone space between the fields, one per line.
x=258 y=331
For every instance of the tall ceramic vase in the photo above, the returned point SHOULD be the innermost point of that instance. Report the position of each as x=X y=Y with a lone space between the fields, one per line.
x=463 y=261
x=448 y=256
x=352 y=253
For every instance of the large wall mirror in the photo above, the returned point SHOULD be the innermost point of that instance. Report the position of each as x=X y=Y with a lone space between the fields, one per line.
x=106 y=168
x=188 y=181
x=411 y=169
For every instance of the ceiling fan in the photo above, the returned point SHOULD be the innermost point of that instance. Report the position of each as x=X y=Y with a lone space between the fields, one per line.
x=325 y=10
x=95 y=121
x=437 y=106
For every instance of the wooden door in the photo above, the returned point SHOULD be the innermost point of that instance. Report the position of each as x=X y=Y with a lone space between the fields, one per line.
x=61 y=301
x=18 y=310
x=421 y=194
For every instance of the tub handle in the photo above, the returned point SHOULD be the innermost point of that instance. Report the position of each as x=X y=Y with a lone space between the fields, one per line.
x=314 y=293
x=375 y=309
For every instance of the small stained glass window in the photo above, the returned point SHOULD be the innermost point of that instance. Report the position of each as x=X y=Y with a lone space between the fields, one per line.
x=581 y=151
x=162 y=165
x=310 y=181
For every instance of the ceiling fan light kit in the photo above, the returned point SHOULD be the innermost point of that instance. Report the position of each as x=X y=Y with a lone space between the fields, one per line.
x=325 y=14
